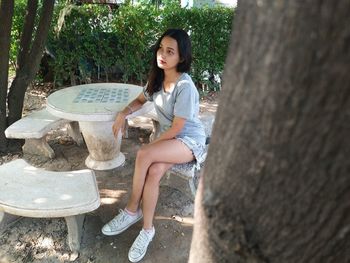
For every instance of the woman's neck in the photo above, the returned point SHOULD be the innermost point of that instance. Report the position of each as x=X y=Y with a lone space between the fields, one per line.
x=170 y=79
x=171 y=76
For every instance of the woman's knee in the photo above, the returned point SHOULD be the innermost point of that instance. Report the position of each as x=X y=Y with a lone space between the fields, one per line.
x=155 y=173
x=156 y=170
x=142 y=153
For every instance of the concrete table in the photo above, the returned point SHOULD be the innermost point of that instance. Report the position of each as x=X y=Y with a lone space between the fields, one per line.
x=95 y=107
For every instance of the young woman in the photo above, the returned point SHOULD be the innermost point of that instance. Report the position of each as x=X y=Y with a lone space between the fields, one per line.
x=182 y=138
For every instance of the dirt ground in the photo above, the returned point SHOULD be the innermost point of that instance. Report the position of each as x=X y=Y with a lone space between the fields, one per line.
x=45 y=240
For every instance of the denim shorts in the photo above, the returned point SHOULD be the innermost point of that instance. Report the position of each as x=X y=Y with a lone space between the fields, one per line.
x=198 y=150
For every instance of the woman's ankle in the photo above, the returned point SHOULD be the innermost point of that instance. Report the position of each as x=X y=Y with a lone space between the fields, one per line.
x=150 y=230
x=147 y=226
x=131 y=212
x=133 y=208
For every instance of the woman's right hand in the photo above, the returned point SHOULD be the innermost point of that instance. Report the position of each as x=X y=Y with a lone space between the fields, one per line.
x=118 y=124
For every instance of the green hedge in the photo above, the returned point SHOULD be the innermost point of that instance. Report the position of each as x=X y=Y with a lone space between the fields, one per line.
x=93 y=42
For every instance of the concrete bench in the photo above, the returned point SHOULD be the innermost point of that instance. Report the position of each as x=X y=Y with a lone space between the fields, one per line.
x=148 y=111
x=185 y=176
x=34 y=128
x=185 y=173
x=32 y=192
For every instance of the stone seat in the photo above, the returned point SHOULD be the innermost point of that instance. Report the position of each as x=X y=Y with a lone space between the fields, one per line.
x=33 y=192
x=34 y=128
x=148 y=111
x=184 y=177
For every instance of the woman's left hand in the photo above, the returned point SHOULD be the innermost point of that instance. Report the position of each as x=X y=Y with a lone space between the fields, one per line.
x=119 y=124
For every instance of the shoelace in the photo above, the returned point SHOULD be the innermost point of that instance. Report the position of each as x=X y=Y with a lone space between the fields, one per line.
x=119 y=218
x=140 y=242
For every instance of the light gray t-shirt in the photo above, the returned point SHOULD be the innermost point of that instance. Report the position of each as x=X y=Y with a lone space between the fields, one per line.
x=182 y=101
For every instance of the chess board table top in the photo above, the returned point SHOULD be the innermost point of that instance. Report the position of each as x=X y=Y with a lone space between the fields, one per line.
x=92 y=102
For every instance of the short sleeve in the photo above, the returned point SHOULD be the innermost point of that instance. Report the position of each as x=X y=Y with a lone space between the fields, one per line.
x=185 y=102
x=146 y=94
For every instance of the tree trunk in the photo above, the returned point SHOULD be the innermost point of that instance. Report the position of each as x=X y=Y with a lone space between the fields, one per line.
x=6 y=13
x=276 y=181
x=26 y=73
x=26 y=36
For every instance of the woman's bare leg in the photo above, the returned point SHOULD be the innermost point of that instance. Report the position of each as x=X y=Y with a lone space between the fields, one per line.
x=170 y=151
x=151 y=191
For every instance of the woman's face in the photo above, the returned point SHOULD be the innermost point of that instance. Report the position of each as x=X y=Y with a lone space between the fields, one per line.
x=168 y=54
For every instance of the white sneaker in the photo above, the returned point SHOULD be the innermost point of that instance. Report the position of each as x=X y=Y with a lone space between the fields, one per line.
x=120 y=223
x=139 y=247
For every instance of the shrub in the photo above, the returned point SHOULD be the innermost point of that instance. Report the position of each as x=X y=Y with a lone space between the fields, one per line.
x=92 y=42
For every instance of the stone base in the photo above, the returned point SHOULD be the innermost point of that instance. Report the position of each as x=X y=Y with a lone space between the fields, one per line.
x=184 y=185
x=38 y=147
x=105 y=165
x=74 y=132
x=75 y=231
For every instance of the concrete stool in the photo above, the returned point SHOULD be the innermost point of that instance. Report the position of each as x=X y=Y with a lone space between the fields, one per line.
x=34 y=128
x=33 y=192
x=148 y=111
x=185 y=176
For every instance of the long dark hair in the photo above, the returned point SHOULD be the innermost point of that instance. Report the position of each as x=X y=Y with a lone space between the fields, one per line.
x=156 y=75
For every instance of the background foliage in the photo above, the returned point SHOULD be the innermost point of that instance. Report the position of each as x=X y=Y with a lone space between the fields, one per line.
x=94 y=43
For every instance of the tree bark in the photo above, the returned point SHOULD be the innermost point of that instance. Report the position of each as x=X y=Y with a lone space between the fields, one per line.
x=6 y=13
x=276 y=180
x=26 y=73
